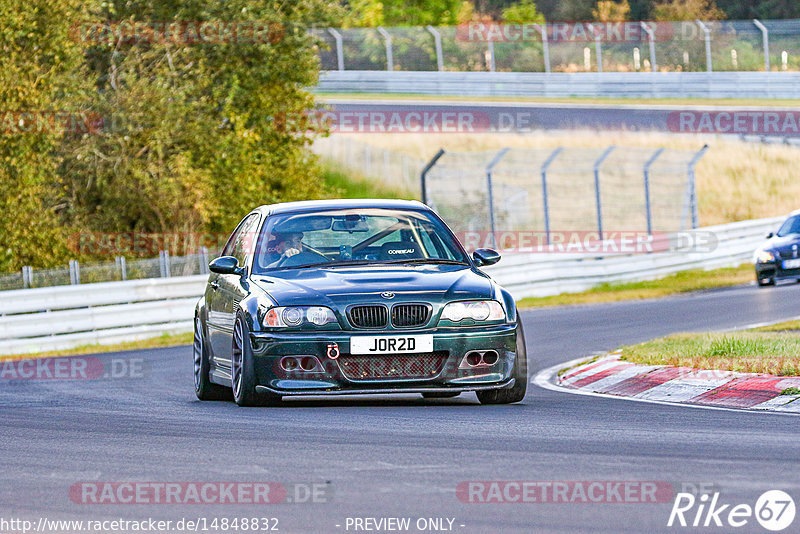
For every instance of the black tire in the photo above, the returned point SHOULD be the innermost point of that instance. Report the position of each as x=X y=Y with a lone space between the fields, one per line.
x=767 y=282
x=203 y=387
x=519 y=372
x=443 y=395
x=243 y=375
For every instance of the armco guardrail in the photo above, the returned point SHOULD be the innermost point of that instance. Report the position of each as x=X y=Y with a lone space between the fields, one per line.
x=559 y=84
x=537 y=275
x=63 y=317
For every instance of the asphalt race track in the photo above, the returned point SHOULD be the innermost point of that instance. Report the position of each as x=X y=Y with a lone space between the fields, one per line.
x=401 y=456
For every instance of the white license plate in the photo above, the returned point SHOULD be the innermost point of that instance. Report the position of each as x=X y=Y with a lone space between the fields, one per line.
x=391 y=344
x=791 y=264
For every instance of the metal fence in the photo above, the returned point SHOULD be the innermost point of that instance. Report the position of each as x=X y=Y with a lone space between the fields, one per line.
x=120 y=269
x=564 y=189
x=393 y=169
x=736 y=45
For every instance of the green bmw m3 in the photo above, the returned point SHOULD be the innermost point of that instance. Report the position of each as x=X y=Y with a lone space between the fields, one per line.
x=336 y=297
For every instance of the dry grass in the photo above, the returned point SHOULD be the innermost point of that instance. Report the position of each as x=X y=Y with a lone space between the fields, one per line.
x=164 y=340
x=682 y=282
x=736 y=180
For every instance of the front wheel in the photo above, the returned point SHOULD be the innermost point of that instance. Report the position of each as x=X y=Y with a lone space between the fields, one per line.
x=243 y=374
x=519 y=372
x=203 y=387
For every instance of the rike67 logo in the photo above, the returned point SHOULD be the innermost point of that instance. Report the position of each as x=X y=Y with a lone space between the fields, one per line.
x=774 y=510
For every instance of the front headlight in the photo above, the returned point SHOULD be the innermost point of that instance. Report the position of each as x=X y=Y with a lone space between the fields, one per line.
x=291 y=316
x=477 y=310
x=763 y=256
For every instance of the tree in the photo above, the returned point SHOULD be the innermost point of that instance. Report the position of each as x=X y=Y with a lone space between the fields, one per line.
x=373 y=13
x=611 y=11
x=198 y=133
x=40 y=68
x=522 y=11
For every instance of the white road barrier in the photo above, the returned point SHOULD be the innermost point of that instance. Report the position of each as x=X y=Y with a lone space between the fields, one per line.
x=560 y=84
x=64 y=317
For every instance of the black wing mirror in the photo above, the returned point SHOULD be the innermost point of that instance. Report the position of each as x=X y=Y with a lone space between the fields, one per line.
x=225 y=265
x=770 y=235
x=485 y=256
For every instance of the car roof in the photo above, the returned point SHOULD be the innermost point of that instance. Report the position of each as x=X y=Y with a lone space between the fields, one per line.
x=347 y=203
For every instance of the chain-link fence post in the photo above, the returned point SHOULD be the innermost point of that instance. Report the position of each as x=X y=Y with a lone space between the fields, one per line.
x=122 y=266
x=707 y=39
x=648 y=211
x=163 y=263
x=27 y=277
x=491 y=55
x=542 y=28
x=339 y=52
x=437 y=43
x=598 y=47
x=74 y=272
x=651 y=41
x=490 y=190
x=203 y=253
x=598 y=199
x=424 y=175
x=553 y=155
x=692 y=187
x=765 y=36
x=387 y=40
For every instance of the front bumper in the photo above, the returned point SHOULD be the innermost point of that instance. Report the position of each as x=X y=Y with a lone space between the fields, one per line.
x=774 y=271
x=450 y=345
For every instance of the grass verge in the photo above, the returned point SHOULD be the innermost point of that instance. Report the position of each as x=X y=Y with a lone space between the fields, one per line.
x=682 y=282
x=773 y=350
x=341 y=183
x=164 y=340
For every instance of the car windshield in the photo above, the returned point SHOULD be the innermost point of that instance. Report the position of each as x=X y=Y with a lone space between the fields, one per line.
x=790 y=226
x=354 y=237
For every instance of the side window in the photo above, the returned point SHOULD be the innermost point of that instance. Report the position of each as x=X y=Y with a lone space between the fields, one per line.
x=245 y=240
x=240 y=244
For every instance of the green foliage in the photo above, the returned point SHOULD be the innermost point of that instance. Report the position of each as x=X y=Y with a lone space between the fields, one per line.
x=373 y=13
x=39 y=69
x=522 y=11
x=194 y=134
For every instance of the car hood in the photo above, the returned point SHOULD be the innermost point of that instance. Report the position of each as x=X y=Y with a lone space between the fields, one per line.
x=339 y=287
x=783 y=244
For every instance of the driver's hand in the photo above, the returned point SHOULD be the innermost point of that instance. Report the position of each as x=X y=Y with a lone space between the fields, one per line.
x=289 y=252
